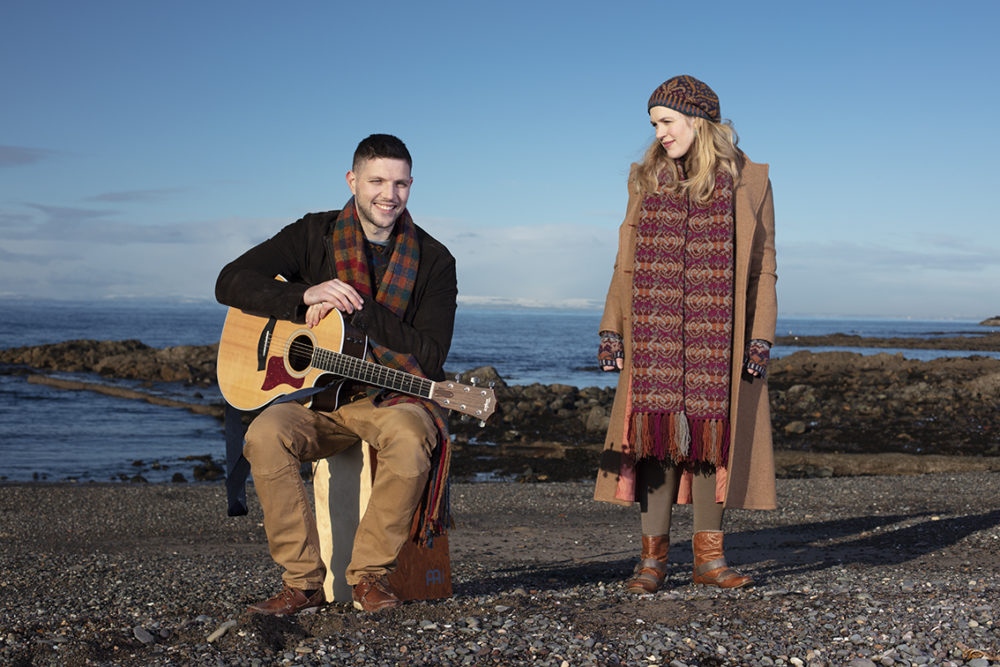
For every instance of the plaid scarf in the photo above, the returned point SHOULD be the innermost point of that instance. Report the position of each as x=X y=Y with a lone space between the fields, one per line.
x=351 y=266
x=682 y=305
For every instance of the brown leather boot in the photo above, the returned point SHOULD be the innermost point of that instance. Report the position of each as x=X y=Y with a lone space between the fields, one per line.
x=374 y=592
x=710 y=566
x=649 y=574
x=289 y=601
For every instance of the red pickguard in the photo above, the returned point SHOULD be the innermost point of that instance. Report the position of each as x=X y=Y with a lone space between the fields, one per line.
x=277 y=375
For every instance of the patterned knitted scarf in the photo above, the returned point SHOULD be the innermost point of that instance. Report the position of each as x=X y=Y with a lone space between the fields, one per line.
x=682 y=304
x=351 y=266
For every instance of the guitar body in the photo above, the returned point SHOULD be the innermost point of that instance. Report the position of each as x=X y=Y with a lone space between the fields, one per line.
x=261 y=359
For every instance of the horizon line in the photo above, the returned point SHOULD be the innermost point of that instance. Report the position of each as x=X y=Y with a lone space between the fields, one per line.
x=487 y=303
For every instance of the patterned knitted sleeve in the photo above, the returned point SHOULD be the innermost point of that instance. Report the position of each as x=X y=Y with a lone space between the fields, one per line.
x=611 y=349
x=758 y=353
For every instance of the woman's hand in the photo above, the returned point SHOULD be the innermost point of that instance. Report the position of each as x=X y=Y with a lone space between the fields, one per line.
x=758 y=353
x=611 y=353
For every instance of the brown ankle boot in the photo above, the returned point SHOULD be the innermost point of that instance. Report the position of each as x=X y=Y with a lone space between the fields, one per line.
x=649 y=574
x=710 y=565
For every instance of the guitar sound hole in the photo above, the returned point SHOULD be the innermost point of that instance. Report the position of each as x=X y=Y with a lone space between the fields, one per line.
x=300 y=353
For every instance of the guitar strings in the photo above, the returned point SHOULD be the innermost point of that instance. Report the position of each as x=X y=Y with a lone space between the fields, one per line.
x=351 y=367
x=353 y=364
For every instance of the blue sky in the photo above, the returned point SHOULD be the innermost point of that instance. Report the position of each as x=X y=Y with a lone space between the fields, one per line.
x=145 y=144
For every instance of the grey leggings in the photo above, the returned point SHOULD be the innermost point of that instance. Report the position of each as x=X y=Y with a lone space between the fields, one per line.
x=658 y=482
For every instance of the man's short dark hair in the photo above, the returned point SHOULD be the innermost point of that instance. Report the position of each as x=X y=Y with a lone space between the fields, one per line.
x=381 y=145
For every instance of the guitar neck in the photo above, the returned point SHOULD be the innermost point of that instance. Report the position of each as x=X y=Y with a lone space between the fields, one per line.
x=352 y=368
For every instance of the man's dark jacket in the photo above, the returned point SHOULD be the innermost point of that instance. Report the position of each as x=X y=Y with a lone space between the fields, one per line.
x=302 y=253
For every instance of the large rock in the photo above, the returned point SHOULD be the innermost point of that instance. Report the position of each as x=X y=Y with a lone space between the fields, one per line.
x=482 y=376
x=128 y=359
x=985 y=387
x=598 y=419
x=886 y=403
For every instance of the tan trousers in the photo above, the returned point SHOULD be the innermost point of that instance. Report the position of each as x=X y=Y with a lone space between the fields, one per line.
x=284 y=435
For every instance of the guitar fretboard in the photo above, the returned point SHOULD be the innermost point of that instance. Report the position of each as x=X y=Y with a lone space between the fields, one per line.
x=344 y=365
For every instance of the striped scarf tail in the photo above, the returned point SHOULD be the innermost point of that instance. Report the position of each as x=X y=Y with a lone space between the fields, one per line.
x=436 y=510
x=394 y=293
x=682 y=301
x=435 y=505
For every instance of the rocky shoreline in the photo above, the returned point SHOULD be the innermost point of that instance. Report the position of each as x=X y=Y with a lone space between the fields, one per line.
x=859 y=571
x=827 y=403
x=985 y=342
x=893 y=562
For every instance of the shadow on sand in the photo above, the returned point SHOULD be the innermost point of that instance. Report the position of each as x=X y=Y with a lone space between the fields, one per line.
x=768 y=554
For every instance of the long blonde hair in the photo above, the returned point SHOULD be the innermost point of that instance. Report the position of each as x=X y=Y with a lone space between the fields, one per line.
x=714 y=146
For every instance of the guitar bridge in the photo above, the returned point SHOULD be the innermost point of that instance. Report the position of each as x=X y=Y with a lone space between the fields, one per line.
x=264 y=343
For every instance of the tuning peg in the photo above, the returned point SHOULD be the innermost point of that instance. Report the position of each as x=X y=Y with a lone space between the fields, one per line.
x=458 y=377
x=465 y=418
x=473 y=380
x=493 y=383
x=481 y=423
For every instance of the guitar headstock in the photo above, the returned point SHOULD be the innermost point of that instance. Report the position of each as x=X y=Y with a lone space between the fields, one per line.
x=476 y=402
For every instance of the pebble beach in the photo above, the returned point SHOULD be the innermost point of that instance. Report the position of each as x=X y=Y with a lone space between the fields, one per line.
x=860 y=571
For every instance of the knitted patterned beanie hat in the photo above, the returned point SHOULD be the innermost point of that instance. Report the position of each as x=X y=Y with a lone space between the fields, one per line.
x=688 y=95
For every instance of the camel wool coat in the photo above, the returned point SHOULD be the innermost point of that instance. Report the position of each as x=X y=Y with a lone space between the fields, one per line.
x=747 y=482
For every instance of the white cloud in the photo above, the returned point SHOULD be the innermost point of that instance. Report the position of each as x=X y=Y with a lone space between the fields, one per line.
x=83 y=253
x=167 y=261
x=949 y=277
x=95 y=227
x=940 y=254
x=89 y=254
x=543 y=264
x=136 y=195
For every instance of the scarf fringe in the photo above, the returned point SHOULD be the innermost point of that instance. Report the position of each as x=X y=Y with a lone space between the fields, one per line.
x=437 y=509
x=679 y=438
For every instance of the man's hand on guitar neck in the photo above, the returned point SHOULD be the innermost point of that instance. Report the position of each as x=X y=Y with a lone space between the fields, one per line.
x=326 y=296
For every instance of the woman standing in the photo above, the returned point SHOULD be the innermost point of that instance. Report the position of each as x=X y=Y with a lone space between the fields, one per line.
x=689 y=321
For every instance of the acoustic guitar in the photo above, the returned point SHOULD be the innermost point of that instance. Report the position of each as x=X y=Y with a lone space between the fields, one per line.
x=261 y=359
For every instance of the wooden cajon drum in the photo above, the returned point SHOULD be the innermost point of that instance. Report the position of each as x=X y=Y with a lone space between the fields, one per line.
x=342 y=485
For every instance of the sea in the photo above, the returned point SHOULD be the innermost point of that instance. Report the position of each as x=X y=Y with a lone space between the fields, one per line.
x=55 y=435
